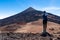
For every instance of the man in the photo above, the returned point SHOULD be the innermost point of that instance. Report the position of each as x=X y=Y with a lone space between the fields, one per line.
x=44 y=22
x=44 y=33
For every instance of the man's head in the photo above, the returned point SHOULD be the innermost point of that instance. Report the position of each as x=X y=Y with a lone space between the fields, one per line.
x=44 y=13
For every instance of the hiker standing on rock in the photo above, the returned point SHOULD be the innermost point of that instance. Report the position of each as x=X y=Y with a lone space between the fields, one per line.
x=45 y=19
x=45 y=33
x=44 y=22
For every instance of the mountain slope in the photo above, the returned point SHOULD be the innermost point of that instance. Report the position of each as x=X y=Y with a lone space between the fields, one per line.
x=30 y=20
x=28 y=15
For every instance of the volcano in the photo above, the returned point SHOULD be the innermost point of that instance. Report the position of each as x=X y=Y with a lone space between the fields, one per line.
x=29 y=20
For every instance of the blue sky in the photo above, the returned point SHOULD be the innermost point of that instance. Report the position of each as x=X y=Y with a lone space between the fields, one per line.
x=11 y=7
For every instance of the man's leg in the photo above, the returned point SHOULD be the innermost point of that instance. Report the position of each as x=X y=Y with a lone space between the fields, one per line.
x=44 y=33
x=44 y=26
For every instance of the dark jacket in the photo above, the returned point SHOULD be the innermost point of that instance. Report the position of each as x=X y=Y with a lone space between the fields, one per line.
x=45 y=17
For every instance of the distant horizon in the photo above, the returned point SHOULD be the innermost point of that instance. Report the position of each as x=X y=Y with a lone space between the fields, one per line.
x=12 y=7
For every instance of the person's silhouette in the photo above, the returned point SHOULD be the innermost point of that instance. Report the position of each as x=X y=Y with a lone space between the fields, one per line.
x=45 y=19
x=44 y=22
x=44 y=33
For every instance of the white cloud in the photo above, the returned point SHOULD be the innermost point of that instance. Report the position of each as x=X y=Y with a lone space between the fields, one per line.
x=52 y=9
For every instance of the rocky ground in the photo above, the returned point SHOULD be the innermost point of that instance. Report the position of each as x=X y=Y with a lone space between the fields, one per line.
x=22 y=32
x=27 y=36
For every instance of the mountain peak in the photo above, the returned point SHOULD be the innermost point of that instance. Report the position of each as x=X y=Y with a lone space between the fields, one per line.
x=29 y=9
